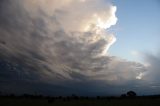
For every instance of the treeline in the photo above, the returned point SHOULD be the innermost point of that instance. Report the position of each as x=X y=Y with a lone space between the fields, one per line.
x=128 y=95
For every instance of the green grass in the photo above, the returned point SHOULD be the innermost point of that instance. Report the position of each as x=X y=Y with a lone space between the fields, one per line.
x=85 y=102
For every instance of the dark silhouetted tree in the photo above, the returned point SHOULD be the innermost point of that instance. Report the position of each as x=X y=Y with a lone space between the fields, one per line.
x=131 y=94
x=98 y=97
x=60 y=97
x=12 y=95
x=123 y=95
x=75 y=96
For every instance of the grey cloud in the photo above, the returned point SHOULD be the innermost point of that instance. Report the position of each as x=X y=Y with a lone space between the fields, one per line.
x=43 y=49
x=153 y=66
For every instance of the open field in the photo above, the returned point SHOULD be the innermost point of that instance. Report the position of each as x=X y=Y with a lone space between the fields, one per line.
x=5 y=101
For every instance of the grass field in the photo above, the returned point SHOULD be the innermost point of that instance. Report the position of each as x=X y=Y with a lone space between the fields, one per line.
x=79 y=102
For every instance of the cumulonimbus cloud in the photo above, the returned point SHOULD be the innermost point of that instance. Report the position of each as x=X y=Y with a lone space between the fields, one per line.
x=62 y=40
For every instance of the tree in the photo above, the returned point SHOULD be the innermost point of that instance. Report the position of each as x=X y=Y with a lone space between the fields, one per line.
x=131 y=94
x=123 y=95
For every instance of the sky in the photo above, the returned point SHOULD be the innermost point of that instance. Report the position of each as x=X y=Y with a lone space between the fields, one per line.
x=138 y=25
x=82 y=47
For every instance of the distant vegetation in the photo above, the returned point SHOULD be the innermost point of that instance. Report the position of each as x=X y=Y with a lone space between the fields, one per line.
x=128 y=99
x=129 y=94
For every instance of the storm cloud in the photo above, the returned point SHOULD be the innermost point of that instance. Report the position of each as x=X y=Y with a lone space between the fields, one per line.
x=61 y=45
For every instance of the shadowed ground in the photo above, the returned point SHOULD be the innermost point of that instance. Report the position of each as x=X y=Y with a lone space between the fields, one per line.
x=7 y=101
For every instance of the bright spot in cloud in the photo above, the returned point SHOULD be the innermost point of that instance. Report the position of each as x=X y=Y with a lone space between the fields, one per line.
x=140 y=76
x=111 y=40
x=106 y=23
